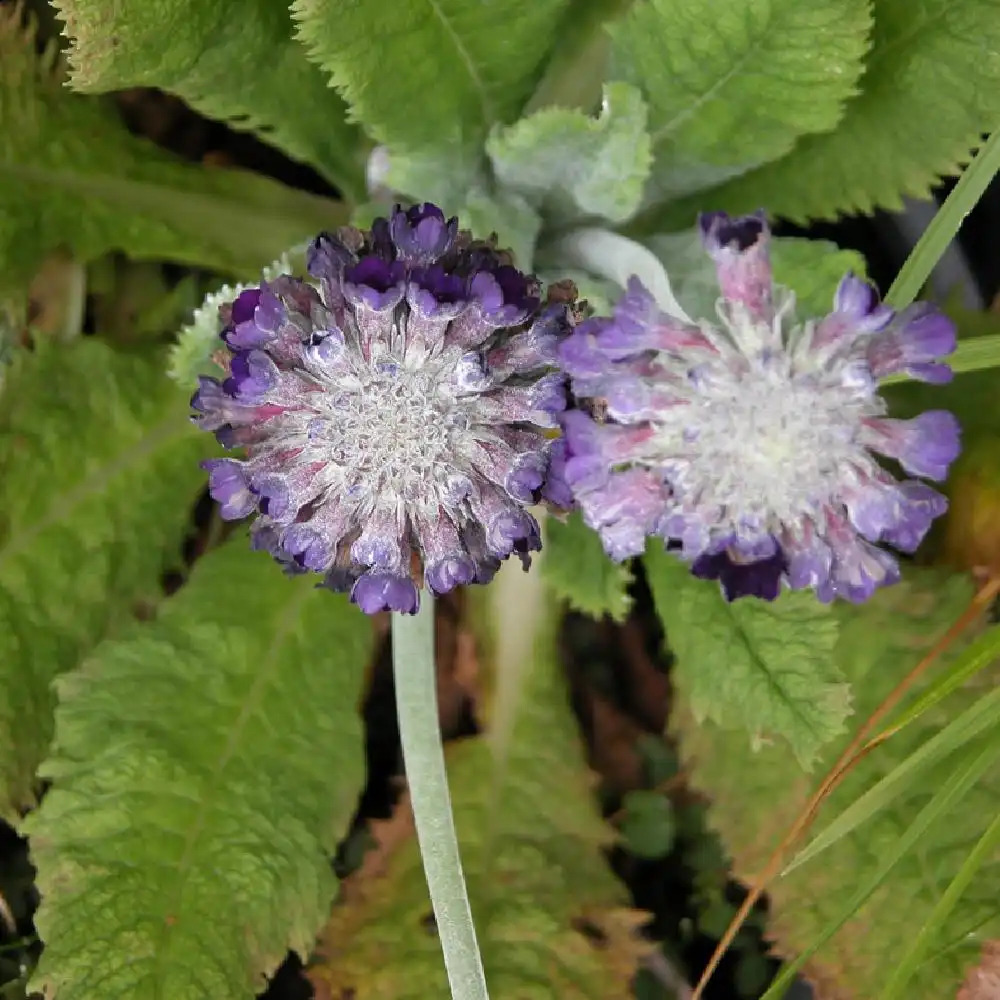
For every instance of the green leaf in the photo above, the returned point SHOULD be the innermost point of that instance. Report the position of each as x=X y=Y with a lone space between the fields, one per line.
x=422 y=72
x=733 y=83
x=70 y=174
x=648 y=826
x=204 y=767
x=575 y=164
x=579 y=571
x=443 y=173
x=98 y=477
x=811 y=268
x=531 y=842
x=766 y=666
x=931 y=89
x=755 y=800
x=232 y=60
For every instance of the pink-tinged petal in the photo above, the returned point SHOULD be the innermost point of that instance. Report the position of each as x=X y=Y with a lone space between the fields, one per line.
x=640 y=325
x=739 y=247
x=915 y=341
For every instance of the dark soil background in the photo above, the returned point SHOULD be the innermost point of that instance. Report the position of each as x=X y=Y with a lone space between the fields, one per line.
x=618 y=676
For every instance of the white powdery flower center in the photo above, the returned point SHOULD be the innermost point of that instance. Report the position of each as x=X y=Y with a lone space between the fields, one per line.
x=394 y=432
x=767 y=439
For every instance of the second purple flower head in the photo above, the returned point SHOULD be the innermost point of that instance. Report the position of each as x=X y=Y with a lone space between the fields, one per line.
x=749 y=443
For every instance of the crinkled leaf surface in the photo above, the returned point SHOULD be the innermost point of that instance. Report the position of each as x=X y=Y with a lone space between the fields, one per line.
x=203 y=769
x=733 y=83
x=575 y=164
x=421 y=72
x=579 y=571
x=531 y=843
x=811 y=268
x=70 y=174
x=755 y=799
x=98 y=477
x=766 y=667
x=931 y=88
x=234 y=60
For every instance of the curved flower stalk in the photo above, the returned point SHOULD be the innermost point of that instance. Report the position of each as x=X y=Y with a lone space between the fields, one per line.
x=748 y=443
x=394 y=416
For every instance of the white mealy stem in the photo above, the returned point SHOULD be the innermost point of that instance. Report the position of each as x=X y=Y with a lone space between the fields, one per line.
x=423 y=757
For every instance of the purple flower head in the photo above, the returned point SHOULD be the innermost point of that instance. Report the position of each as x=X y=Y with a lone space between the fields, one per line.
x=752 y=444
x=394 y=417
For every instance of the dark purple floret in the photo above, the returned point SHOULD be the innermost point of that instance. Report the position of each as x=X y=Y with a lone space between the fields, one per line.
x=244 y=305
x=720 y=230
x=442 y=287
x=420 y=233
x=756 y=579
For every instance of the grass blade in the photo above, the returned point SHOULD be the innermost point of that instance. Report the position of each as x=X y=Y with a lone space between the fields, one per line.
x=981 y=715
x=977 y=761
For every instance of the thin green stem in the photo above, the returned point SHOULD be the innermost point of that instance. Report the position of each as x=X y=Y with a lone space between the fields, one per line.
x=423 y=757
x=945 y=224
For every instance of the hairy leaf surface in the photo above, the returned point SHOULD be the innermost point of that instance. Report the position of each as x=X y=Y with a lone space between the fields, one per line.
x=756 y=797
x=766 y=667
x=575 y=164
x=580 y=572
x=98 y=476
x=422 y=72
x=733 y=83
x=531 y=843
x=203 y=769
x=233 y=60
x=70 y=174
x=931 y=88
